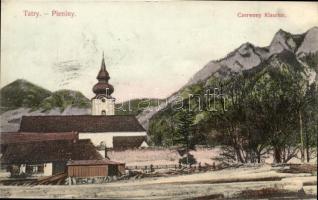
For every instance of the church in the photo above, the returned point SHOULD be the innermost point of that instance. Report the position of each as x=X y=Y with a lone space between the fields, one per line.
x=102 y=127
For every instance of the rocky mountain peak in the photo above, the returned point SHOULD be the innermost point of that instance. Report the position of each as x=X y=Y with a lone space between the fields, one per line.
x=309 y=43
x=248 y=55
x=312 y=30
x=282 y=41
x=246 y=47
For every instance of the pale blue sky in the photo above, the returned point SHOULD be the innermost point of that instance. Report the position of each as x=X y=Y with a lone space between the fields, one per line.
x=151 y=48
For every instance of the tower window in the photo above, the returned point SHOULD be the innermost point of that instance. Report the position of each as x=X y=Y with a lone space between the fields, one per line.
x=103 y=112
x=103 y=100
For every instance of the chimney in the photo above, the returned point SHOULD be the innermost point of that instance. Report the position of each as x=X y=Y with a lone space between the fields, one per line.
x=106 y=153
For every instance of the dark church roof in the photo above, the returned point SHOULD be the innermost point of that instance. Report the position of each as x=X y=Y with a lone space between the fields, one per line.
x=127 y=142
x=80 y=123
x=50 y=151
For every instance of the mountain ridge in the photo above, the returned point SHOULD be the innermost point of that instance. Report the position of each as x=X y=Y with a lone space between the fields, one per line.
x=248 y=56
x=281 y=40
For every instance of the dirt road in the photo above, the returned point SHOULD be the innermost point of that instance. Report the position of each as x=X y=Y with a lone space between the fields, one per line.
x=227 y=183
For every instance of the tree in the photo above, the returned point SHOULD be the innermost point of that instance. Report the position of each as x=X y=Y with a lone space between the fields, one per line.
x=184 y=135
x=162 y=128
x=280 y=97
x=231 y=122
x=310 y=111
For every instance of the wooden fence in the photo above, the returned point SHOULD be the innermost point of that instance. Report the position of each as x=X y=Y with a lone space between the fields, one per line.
x=171 y=166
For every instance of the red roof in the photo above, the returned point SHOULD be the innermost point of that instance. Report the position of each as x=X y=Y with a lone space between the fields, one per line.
x=49 y=151
x=24 y=137
x=92 y=162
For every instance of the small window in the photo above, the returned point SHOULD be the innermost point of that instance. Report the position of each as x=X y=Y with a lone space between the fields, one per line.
x=29 y=169
x=41 y=168
x=103 y=112
x=103 y=100
x=34 y=169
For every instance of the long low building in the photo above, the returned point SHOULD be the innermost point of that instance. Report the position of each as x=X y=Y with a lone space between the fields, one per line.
x=46 y=158
x=107 y=130
x=33 y=154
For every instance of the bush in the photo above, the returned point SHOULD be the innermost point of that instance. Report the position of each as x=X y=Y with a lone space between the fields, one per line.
x=191 y=160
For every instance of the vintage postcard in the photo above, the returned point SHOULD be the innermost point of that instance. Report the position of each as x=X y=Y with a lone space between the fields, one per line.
x=158 y=99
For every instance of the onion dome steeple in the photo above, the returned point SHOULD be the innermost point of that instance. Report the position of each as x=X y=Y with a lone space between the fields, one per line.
x=103 y=87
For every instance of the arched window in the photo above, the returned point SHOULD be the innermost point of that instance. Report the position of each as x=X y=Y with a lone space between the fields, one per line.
x=103 y=112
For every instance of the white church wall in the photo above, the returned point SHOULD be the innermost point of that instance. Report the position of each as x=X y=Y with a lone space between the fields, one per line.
x=107 y=137
x=48 y=169
x=104 y=104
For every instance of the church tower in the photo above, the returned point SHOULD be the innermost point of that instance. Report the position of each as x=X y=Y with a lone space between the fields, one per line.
x=103 y=103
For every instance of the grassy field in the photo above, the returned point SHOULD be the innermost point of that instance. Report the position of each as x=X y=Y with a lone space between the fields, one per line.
x=141 y=157
x=164 y=156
